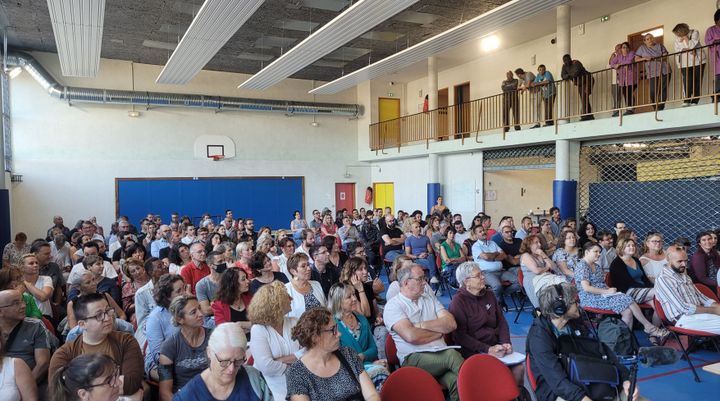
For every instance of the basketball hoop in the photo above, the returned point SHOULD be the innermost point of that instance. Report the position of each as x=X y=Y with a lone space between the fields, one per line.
x=217 y=158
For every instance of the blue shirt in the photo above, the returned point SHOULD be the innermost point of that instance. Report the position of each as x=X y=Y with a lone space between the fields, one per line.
x=549 y=89
x=486 y=247
x=159 y=328
x=417 y=245
x=157 y=245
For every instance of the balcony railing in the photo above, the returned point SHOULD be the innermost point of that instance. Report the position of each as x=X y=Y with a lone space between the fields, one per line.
x=685 y=83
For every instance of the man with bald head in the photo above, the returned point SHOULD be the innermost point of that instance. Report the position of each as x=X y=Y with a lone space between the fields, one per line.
x=164 y=234
x=23 y=338
x=682 y=302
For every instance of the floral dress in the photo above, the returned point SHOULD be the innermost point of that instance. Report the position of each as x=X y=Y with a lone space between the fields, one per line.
x=561 y=255
x=617 y=303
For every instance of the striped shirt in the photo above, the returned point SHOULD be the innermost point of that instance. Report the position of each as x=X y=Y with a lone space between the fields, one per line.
x=678 y=295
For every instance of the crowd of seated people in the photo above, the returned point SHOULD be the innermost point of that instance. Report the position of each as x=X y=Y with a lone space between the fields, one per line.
x=307 y=295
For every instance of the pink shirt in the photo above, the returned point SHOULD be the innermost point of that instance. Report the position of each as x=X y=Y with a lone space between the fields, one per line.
x=626 y=70
x=711 y=35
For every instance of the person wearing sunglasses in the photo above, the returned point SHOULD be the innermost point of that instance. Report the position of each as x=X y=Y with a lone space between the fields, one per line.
x=226 y=377
x=95 y=316
x=91 y=376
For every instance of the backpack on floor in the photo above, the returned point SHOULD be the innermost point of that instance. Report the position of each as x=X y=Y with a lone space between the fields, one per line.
x=616 y=335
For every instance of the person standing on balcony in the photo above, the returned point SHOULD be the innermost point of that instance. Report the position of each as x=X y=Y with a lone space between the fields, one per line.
x=544 y=79
x=657 y=69
x=575 y=71
x=510 y=101
x=712 y=38
x=690 y=61
x=527 y=80
x=615 y=89
x=622 y=62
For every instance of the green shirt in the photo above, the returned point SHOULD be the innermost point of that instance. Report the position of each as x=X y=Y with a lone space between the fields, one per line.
x=451 y=253
x=31 y=308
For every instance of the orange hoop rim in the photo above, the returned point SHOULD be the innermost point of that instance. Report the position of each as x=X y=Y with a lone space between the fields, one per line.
x=216 y=158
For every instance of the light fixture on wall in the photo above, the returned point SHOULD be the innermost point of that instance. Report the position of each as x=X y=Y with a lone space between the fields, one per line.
x=14 y=72
x=490 y=43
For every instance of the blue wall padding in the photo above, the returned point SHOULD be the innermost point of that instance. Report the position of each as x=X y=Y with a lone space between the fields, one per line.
x=674 y=208
x=5 y=237
x=269 y=200
x=433 y=191
x=565 y=197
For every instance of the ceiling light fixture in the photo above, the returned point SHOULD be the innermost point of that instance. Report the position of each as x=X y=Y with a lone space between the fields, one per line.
x=491 y=21
x=490 y=43
x=78 y=29
x=14 y=72
x=215 y=23
x=351 y=23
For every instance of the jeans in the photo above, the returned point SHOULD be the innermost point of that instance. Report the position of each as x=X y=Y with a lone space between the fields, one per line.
x=392 y=255
x=658 y=86
x=495 y=279
x=692 y=80
x=549 y=105
x=511 y=102
x=428 y=263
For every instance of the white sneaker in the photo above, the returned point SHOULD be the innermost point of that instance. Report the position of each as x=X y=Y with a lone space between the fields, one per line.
x=434 y=280
x=686 y=104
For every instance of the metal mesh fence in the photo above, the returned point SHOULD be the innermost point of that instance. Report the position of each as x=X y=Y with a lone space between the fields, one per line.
x=670 y=186
x=542 y=156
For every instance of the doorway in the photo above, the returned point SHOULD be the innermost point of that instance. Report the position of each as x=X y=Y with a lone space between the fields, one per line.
x=389 y=110
x=442 y=115
x=642 y=93
x=462 y=110
x=384 y=195
x=344 y=196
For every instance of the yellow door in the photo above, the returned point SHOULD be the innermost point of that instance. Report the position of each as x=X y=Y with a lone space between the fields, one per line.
x=384 y=195
x=389 y=111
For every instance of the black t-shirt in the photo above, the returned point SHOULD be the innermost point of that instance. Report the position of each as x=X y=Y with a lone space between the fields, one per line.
x=394 y=232
x=327 y=278
x=510 y=249
x=255 y=284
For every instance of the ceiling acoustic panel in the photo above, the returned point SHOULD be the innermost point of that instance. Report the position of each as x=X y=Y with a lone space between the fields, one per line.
x=78 y=29
x=477 y=27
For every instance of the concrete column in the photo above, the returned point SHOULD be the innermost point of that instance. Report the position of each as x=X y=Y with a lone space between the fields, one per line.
x=562 y=159
x=433 y=186
x=432 y=83
x=562 y=46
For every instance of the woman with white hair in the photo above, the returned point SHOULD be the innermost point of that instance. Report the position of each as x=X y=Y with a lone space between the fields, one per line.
x=481 y=325
x=226 y=378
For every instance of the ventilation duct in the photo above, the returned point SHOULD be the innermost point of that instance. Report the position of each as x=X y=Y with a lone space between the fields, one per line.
x=156 y=99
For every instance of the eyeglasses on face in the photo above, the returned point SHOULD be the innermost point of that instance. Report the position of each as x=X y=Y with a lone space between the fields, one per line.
x=102 y=315
x=419 y=279
x=111 y=380
x=333 y=330
x=224 y=363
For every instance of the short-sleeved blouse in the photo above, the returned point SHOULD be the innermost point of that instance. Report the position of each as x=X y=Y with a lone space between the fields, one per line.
x=561 y=255
x=340 y=386
x=616 y=303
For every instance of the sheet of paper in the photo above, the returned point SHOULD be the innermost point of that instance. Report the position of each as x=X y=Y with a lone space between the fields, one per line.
x=513 y=359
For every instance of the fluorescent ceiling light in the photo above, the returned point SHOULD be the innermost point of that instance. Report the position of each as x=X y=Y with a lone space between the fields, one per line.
x=296 y=25
x=156 y=44
x=255 y=56
x=351 y=23
x=78 y=29
x=490 y=43
x=215 y=23
x=479 y=26
x=14 y=72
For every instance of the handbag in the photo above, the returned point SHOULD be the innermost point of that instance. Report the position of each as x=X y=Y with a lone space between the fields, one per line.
x=587 y=363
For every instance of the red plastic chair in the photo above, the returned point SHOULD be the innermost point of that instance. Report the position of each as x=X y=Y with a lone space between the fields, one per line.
x=391 y=353
x=675 y=331
x=484 y=378
x=411 y=383
x=705 y=290
x=530 y=375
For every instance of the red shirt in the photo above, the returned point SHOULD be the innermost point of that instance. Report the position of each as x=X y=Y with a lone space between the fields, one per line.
x=192 y=274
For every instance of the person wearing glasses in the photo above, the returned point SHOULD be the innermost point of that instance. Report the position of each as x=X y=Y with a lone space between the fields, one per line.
x=305 y=293
x=182 y=356
x=226 y=377
x=418 y=322
x=481 y=325
x=287 y=249
x=95 y=316
x=91 y=376
x=326 y=371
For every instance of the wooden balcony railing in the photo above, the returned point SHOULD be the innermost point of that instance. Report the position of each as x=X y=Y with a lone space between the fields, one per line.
x=685 y=83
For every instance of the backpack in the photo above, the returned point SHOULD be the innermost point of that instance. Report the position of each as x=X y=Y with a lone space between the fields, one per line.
x=616 y=335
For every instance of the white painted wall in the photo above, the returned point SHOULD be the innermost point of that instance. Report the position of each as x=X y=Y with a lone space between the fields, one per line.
x=593 y=47
x=69 y=156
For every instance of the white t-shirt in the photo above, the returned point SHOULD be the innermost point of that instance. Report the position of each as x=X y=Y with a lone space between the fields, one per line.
x=301 y=250
x=78 y=269
x=400 y=307
x=45 y=307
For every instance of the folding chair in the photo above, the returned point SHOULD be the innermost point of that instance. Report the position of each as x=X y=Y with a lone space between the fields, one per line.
x=411 y=383
x=691 y=334
x=483 y=377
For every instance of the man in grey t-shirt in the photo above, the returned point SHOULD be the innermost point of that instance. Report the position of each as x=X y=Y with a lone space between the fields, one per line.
x=207 y=287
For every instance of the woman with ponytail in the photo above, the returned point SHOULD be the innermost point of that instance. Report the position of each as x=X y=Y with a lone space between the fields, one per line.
x=88 y=377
